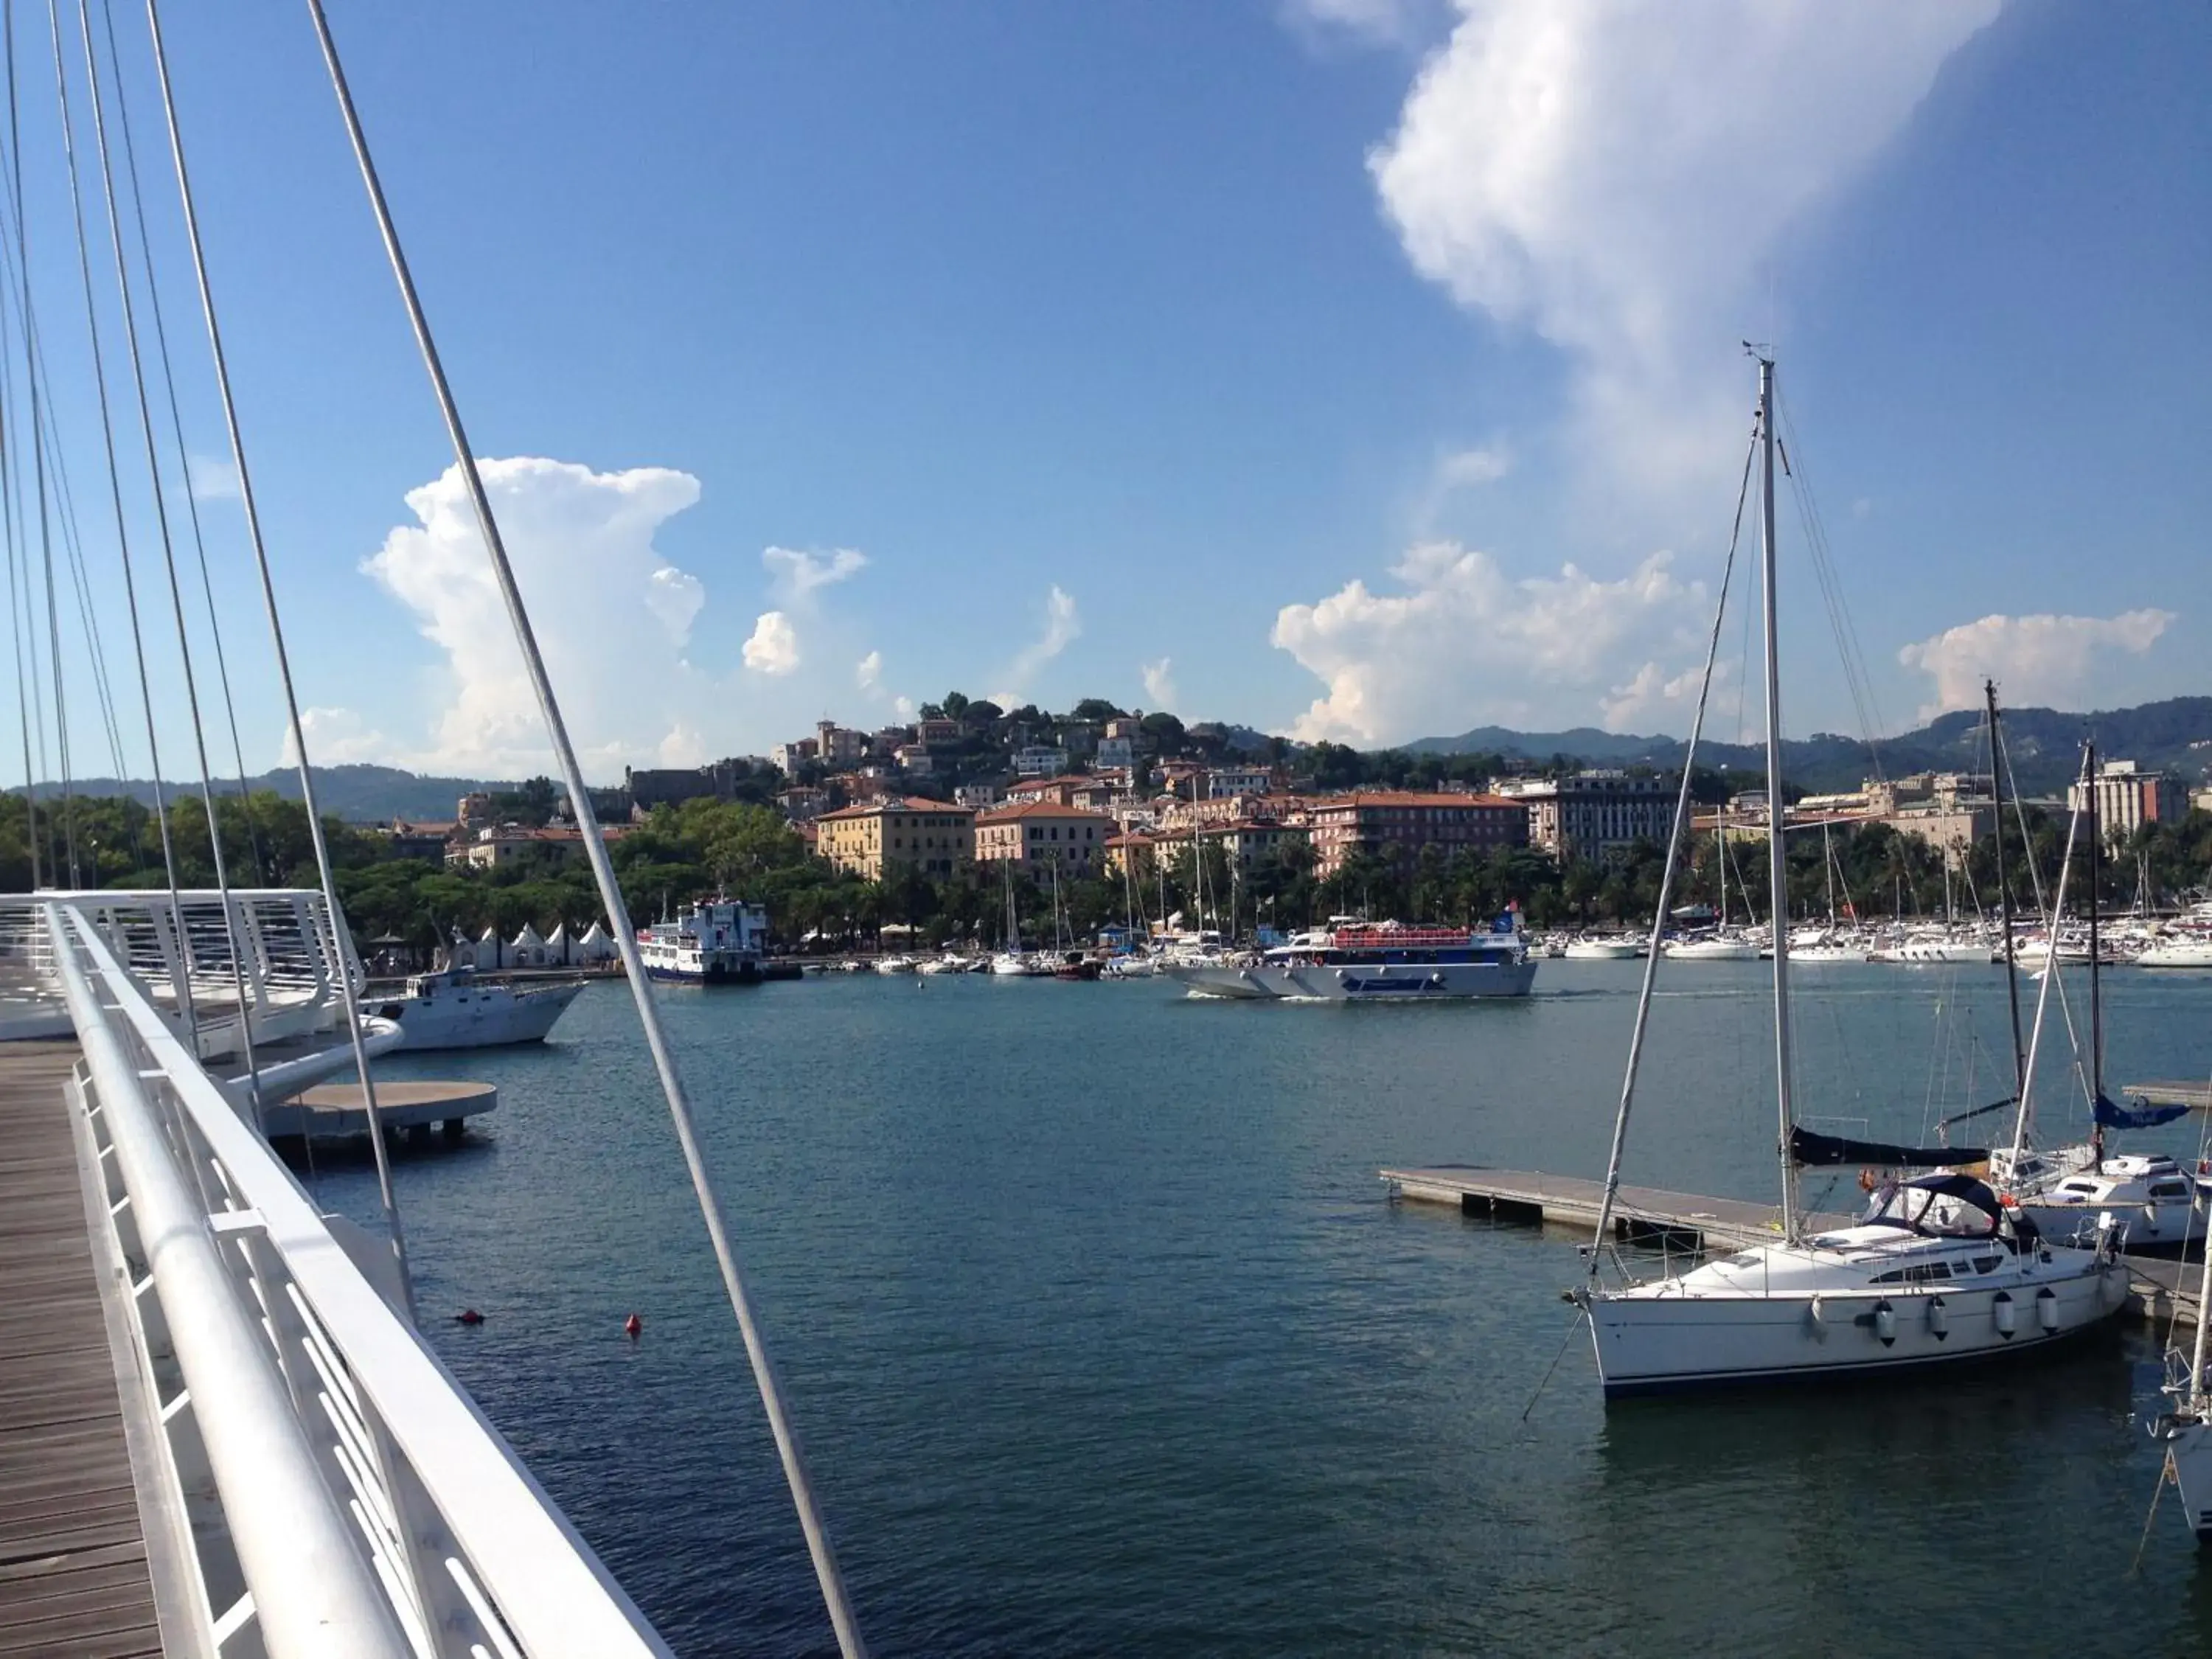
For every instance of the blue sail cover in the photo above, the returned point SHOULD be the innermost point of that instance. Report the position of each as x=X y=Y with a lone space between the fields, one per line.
x=2142 y=1115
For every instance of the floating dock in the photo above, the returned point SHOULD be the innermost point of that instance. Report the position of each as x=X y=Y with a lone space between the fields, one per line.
x=2164 y=1292
x=334 y=1111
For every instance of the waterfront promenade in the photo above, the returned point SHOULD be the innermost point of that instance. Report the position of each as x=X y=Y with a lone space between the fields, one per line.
x=73 y=1572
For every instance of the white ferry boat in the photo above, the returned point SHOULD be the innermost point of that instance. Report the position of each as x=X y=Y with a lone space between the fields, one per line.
x=1385 y=963
x=717 y=942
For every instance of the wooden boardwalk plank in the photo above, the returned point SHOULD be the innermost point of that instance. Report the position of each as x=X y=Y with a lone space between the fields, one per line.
x=73 y=1576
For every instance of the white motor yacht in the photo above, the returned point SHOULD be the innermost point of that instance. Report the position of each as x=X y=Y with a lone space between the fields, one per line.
x=1712 y=947
x=2148 y=1194
x=454 y=1010
x=1603 y=950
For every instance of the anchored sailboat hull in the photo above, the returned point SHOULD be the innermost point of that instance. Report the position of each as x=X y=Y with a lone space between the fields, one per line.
x=1662 y=1341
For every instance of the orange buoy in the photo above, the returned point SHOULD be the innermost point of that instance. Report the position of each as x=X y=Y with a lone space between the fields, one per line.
x=468 y=1316
x=633 y=1327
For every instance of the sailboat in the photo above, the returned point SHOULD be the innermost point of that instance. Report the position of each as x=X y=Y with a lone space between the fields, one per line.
x=1936 y=1270
x=1013 y=961
x=2150 y=1195
x=1723 y=944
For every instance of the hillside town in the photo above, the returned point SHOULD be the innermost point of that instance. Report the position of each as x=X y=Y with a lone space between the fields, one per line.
x=1102 y=792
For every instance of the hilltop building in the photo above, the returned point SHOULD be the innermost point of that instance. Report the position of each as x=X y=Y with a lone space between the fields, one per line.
x=1591 y=816
x=1039 y=832
x=1400 y=823
x=2126 y=797
x=869 y=839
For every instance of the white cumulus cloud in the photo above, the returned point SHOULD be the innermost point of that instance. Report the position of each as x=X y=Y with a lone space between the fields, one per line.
x=1467 y=643
x=1616 y=177
x=1159 y=684
x=774 y=648
x=1063 y=625
x=1484 y=464
x=869 y=675
x=336 y=737
x=213 y=479
x=2044 y=659
x=795 y=574
x=605 y=606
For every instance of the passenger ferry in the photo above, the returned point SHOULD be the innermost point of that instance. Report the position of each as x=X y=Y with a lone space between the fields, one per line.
x=717 y=942
x=1356 y=962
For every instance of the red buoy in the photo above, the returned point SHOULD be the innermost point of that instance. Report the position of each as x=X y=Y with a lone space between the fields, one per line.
x=468 y=1316
x=633 y=1327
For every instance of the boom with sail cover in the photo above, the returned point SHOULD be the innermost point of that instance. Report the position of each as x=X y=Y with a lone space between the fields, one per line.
x=1811 y=1150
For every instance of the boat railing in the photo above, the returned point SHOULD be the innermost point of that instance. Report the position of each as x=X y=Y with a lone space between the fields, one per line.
x=324 y=1484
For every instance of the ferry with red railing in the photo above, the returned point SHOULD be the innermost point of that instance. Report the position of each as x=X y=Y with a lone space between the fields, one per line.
x=1356 y=961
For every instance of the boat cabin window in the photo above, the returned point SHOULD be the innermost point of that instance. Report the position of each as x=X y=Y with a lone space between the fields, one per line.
x=2079 y=1184
x=1941 y=1207
x=2170 y=1189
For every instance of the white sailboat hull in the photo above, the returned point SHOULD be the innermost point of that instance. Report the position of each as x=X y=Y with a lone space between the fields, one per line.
x=2190 y=1448
x=1352 y=982
x=1666 y=1342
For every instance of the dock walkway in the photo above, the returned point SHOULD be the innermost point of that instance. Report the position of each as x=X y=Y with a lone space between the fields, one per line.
x=74 y=1580
x=2163 y=1291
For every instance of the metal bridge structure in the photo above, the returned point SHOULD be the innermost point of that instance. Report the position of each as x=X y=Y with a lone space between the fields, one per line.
x=304 y=1476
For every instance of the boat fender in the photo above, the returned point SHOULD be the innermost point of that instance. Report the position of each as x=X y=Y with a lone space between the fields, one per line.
x=1816 y=1315
x=2046 y=1310
x=1340 y=976
x=1939 y=1319
x=1885 y=1322
x=1436 y=981
x=2003 y=1315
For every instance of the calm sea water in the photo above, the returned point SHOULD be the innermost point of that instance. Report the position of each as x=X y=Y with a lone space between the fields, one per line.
x=1105 y=1338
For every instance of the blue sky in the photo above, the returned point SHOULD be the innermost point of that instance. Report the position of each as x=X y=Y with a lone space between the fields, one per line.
x=1346 y=367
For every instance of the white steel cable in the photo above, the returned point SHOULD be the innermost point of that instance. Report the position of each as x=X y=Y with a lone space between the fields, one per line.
x=38 y=449
x=347 y=992
x=579 y=799
x=183 y=985
x=230 y=919
x=177 y=428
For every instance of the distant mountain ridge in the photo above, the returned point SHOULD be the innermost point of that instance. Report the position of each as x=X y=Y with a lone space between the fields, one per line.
x=359 y=793
x=2044 y=744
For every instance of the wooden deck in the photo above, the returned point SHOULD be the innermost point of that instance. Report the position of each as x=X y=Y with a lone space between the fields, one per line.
x=74 y=1580
x=2163 y=1290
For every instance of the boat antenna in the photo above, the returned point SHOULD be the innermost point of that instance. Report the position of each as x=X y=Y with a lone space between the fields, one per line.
x=2004 y=897
x=810 y=1521
x=1675 y=836
x=1777 y=853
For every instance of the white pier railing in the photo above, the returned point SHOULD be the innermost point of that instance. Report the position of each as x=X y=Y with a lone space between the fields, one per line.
x=180 y=955
x=333 y=1490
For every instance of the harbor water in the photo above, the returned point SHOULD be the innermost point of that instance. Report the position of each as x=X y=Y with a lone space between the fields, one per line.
x=1104 y=1337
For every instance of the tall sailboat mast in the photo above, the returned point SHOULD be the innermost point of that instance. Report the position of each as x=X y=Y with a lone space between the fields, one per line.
x=2004 y=899
x=1776 y=854
x=2096 y=953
